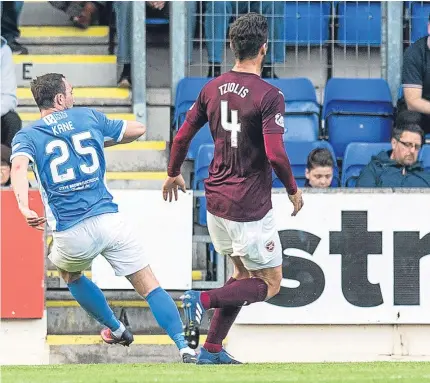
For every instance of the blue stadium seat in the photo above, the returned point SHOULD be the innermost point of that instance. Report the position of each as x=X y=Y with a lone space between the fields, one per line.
x=419 y=12
x=157 y=21
x=357 y=156
x=302 y=111
x=307 y=22
x=424 y=157
x=204 y=158
x=357 y=110
x=202 y=137
x=298 y=154
x=187 y=92
x=359 y=23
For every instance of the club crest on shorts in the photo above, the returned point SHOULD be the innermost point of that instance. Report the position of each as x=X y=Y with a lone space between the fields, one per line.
x=270 y=246
x=279 y=120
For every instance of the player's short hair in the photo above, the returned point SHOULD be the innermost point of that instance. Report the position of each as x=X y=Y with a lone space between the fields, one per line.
x=320 y=157
x=408 y=121
x=46 y=87
x=247 y=35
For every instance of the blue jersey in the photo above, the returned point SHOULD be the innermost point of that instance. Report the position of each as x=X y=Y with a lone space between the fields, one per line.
x=66 y=153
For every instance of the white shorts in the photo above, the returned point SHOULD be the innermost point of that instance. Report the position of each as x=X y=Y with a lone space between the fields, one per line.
x=256 y=242
x=107 y=234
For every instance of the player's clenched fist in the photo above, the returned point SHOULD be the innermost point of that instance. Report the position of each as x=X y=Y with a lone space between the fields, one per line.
x=297 y=201
x=171 y=185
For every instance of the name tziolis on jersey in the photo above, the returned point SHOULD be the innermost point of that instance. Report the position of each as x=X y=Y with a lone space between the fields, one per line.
x=232 y=87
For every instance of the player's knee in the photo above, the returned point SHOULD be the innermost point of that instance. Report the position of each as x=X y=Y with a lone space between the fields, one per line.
x=70 y=277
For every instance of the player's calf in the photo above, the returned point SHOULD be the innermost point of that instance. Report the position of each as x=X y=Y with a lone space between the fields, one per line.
x=164 y=309
x=272 y=277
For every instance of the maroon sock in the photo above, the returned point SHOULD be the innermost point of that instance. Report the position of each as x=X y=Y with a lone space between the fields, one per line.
x=220 y=325
x=239 y=293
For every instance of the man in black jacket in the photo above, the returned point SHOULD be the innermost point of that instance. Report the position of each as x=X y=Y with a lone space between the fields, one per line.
x=416 y=80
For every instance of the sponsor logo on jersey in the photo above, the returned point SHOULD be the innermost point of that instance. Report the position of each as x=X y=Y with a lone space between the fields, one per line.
x=49 y=119
x=279 y=120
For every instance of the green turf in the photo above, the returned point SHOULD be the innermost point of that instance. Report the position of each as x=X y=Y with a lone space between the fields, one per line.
x=406 y=372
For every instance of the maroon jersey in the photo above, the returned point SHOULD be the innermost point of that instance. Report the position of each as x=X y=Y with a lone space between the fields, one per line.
x=240 y=108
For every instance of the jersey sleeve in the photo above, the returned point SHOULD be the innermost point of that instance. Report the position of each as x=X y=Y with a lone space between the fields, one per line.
x=22 y=145
x=273 y=110
x=111 y=129
x=412 y=72
x=196 y=115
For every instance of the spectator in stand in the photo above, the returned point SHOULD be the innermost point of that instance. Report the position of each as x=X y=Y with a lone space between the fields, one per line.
x=10 y=12
x=82 y=14
x=319 y=169
x=5 y=173
x=217 y=17
x=416 y=80
x=398 y=167
x=10 y=121
x=123 y=13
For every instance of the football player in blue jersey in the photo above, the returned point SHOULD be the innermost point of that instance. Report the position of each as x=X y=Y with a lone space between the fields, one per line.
x=65 y=150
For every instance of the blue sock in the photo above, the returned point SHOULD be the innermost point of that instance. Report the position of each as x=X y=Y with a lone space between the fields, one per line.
x=167 y=315
x=92 y=300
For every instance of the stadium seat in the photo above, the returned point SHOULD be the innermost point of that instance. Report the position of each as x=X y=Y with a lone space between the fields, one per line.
x=424 y=157
x=307 y=22
x=187 y=91
x=302 y=110
x=298 y=154
x=357 y=110
x=204 y=158
x=157 y=21
x=202 y=137
x=359 y=23
x=419 y=13
x=357 y=156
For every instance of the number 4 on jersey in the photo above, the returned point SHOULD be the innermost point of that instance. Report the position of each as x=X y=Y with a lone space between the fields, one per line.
x=233 y=126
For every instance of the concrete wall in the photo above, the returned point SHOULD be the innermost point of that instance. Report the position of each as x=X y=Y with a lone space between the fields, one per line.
x=329 y=343
x=23 y=341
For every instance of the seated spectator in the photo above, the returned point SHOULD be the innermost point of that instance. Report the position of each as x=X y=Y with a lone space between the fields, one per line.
x=416 y=80
x=319 y=169
x=398 y=167
x=82 y=14
x=5 y=173
x=10 y=13
x=10 y=121
x=217 y=17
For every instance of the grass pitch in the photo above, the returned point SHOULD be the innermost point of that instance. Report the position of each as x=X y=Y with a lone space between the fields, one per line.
x=405 y=372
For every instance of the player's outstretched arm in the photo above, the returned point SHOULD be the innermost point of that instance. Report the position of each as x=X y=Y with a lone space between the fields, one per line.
x=132 y=132
x=278 y=158
x=19 y=182
x=178 y=153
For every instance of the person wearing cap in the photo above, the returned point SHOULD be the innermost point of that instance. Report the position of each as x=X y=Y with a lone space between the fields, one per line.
x=416 y=80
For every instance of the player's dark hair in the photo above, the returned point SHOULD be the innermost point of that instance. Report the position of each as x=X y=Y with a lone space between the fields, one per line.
x=46 y=87
x=408 y=121
x=247 y=35
x=320 y=157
